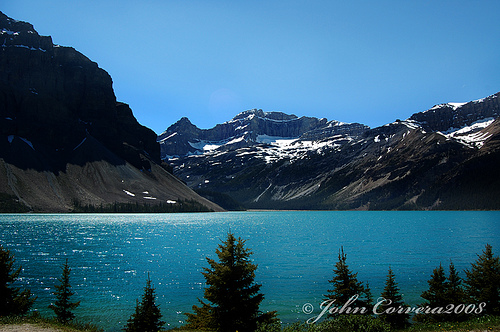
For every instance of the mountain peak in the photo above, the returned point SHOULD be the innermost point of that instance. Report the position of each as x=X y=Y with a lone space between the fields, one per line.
x=264 y=162
x=21 y=34
x=183 y=125
x=248 y=129
x=10 y=24
x=445 y=116
x=184 y=120
x=454 y=106
x=275 y=116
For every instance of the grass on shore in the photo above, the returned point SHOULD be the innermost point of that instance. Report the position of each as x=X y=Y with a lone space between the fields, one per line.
x=484 y=323
x=37 y=319
x=479 y=324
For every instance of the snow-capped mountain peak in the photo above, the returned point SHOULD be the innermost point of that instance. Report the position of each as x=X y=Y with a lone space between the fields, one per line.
x=250 y=128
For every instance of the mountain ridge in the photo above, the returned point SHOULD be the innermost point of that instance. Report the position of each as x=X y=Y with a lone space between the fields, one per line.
x=65 y=139
x=357 y=168
x=247 y=128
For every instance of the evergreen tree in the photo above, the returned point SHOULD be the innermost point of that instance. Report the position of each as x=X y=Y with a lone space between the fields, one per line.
x=455 y=293
x=147 y=316
x=482 y=281
x=346 y=285
x=62 y=307
x=13 y=300
x=391 y=293
x=442 y=292
x=233 y=295
x=436 y=296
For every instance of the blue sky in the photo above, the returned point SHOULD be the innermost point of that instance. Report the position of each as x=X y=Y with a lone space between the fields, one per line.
x=353 y=61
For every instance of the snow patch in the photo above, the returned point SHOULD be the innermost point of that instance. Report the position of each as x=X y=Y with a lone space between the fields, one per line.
x=483 y=99
x=167 y=138
x=204 y=145
x=275 y=140
x=171 y=202
x=30 y=48
x=128 y=193
x=241 y=127
x=76 y=147
x=411 y=124
x=471 y=135
x=454 y=106
x=236 y=140
x=27 y=142
x=9 y=32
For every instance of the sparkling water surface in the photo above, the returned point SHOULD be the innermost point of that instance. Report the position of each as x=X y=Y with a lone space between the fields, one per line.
x=111 y=255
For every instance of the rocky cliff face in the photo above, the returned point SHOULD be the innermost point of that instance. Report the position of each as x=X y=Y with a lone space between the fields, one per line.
x=249 y=128
x=450 y=116
x=58 y=116
x=56 y=96
x=443 y=158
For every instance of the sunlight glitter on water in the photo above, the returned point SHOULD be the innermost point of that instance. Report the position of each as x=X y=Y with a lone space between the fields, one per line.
x=111 y=255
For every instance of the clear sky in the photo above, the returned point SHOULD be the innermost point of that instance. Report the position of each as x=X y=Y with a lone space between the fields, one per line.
x=353 y=61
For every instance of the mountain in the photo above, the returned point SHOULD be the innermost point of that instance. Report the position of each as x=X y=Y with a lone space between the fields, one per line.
x=248 y=129
x=66 y=142
x=442 y=158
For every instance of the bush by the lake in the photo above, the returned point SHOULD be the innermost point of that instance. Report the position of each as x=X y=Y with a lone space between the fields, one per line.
x=341 y=323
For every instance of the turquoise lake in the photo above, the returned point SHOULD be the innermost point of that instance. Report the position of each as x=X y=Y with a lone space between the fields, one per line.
x=111 y=255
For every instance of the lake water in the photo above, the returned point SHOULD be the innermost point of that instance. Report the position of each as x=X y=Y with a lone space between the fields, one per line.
x=111 y=255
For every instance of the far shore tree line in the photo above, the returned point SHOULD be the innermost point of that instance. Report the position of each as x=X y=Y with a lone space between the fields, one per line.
x=232 y=297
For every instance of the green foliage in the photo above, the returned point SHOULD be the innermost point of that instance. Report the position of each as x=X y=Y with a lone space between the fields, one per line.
x=147 y=315
x=394 y=299
x=436 y=294
x=341 y=323
x=203 y=317
x=161 y=207
x=62 y=307
x=483 y=323
x=443 y=292
x=455 y=293
x=233 y=295
x=483 y=281
x=346 y=285
x=224 y=200
x=269 y=327
x=13 y=300
x=44 y=322
x=10 y=204
x=353 y=323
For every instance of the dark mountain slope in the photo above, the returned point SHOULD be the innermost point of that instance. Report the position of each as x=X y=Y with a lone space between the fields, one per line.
x=65 y=138
x=443 y=158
